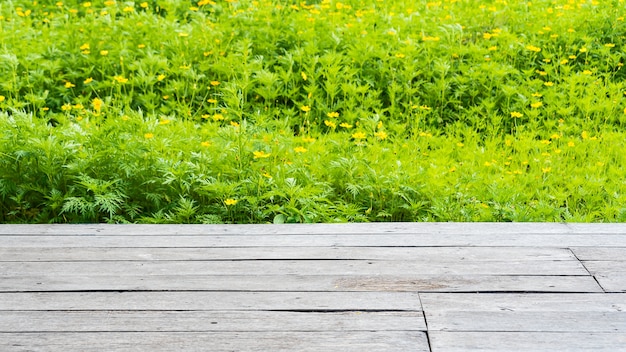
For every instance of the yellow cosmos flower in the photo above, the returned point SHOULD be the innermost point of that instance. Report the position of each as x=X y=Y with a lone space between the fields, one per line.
x=516 y=114
x=300 y=150
x=305 y=108
x=2 y=98
x=230 y=201
x=333 y=114
x=382 y=135
x=148 y=135
x=69 y=85
x=359 y=135
x=330 y=124
x=261 y=154
x=536 y=104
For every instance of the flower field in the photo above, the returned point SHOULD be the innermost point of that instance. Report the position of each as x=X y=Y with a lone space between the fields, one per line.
x=239 y=111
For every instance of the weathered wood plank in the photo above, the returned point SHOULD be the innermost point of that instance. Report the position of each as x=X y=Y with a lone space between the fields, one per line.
x=356 y=341
x=287 y=229
x=556 y=321
x=596 y=253
x=308 y=301
x=388 y=283
x=199 y=321
x=444 y=341
x=612 y=282
x=585 y=228
x=294 y=267
x=364 y=240
x=524 y=302
x=611 y=275
x=606 y=266
x=284 y=253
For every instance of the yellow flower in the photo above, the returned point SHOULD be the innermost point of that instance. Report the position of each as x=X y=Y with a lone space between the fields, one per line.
x=212 y=101
x=205 y=144
x=141 y=46
x=533 y=48
x=305 y=108
x=84 y=46
x=218 y=117
x=261 y=154
x=87 y=4
x=230 y=201
x=104 y=52
x=345 y=125
x=160 y=77
x=381 y=135
x=516 y=114
x=88 y=80
x=300 y=150
x=587 y=72
x=583 y=50
x=609 y=45
x=144 y=5
x=215 y=83
x=308 y=139
x=359 y=135
x=164 y=122
x=536 y=104
x=120 y=79
x=2 y=98
x=425 y=107
x=97 y=104
x=148 y=135
x=584 y=135
x=128 y=9
x=537 y=95
x=548 y=84
x=330 y=124
x=459 y=144
x=183 y=34
x=333 y=114
x=234 y=124
x=304 y=76
x=66 y=107
x=69 y=85
x=545 y=170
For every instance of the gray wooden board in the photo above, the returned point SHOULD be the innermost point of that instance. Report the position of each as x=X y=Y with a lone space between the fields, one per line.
x=393 y=283
x=611 y=275
x=355 y=341
x=606 y=266
x=199 y=321
x=612 y=282
x=287 y=229
x=282 y=253
x=309 y=301
x=363 y=240
x=524 y=302
x=600 y=253
x=557 y=321
x=446 y=341
x=294 y=267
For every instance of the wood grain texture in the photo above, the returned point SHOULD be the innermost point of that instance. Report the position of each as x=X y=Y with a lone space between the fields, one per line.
x=446 y=341
x=362 y=240
x=204 y=321
x=314 y=287
x=272 y=283
x=306 y=341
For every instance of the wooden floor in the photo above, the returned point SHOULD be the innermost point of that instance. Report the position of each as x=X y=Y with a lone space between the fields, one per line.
x=349 y=287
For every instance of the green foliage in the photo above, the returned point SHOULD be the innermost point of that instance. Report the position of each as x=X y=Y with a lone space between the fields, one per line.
x=243 y=111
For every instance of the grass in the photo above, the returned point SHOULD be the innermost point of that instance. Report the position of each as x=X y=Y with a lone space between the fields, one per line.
x=320 y=111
